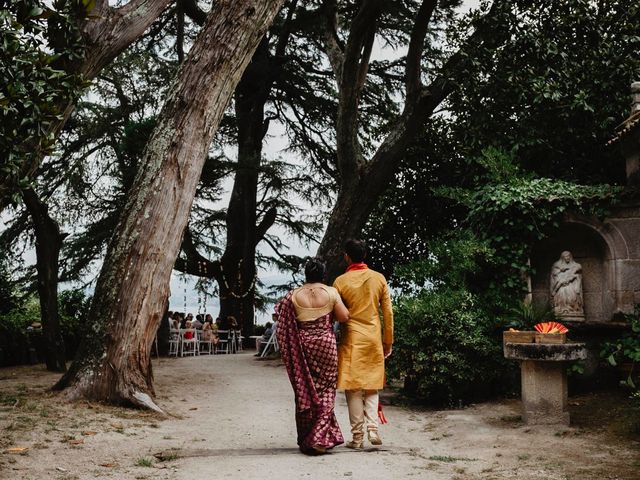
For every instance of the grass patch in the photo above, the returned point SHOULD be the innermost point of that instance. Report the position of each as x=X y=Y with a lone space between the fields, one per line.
x=448 y=459
x=9 y=399
x=144 y=462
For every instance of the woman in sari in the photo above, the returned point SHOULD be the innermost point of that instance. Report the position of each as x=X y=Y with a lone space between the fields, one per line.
x=308 y=347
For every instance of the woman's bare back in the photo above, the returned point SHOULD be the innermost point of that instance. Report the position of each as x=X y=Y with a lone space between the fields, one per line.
x=312 y=295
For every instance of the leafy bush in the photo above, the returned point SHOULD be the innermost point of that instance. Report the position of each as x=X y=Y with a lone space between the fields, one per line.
x=73 y=308
x=8 y=298
x=15 y=338
x=626 y=349
x=446 y=348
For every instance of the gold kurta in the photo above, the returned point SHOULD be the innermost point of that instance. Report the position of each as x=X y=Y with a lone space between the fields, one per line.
x=360 y=354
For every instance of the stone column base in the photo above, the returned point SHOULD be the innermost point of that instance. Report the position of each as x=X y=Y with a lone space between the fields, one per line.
x=544 y=392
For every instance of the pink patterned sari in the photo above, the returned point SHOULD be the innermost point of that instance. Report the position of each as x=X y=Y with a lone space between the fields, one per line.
x=310 y=356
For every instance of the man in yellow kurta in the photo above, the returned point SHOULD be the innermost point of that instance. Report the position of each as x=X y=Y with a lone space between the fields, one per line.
x=365 y=343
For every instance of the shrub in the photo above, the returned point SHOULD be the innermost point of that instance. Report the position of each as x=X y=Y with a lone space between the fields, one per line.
x=73 y=308
x=447 y=349
x=15 y=339
x=626 y=349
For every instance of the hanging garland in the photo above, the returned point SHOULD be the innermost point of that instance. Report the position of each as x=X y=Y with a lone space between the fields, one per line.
x=230 y=291
x=183 y=279
x=202 y=287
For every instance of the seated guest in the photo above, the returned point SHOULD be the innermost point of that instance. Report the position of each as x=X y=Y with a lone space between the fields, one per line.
x=264 y=339
x=229 y=323
x=188 y=326
x=210 y=331
x=198 y=322
x=176 y=322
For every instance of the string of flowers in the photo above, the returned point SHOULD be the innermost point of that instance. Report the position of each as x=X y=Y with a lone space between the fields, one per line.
x=230 y=291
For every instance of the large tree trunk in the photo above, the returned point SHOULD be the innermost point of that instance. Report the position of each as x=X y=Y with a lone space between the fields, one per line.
x=237 y=288
x=133 y=286
x=48 y=243
x=347 y=220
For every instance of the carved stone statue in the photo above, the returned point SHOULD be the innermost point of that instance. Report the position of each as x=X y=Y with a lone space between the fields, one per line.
x=566 y=287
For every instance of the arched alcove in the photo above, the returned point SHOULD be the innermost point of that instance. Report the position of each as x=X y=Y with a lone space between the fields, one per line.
x=591 y=249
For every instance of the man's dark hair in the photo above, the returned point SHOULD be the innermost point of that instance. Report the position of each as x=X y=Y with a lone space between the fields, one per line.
x=315 y=270
x=356 y=249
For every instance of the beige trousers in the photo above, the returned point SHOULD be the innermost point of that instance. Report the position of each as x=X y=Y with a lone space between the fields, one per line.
x=363 y=407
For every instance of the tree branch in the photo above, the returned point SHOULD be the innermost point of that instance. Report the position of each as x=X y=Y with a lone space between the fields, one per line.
x=355 y=65
x=196 y=264
x=194 y=12
x=383 y=164
x=332 y=45
x=413 y=70
x=109 y=30
x=287 y=28
x=265 y=224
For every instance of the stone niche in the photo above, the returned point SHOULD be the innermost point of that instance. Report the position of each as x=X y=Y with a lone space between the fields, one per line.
x=609 y=253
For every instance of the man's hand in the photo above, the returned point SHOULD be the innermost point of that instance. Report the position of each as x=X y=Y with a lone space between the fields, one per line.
x=387 y=348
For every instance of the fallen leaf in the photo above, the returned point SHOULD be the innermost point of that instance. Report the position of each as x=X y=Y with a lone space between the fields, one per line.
x=76 y=442
x=88 y=433
x=109 y=465
x=17 y=449
x=193 y=408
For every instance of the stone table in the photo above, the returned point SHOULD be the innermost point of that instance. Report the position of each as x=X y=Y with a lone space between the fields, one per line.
x=544 y=379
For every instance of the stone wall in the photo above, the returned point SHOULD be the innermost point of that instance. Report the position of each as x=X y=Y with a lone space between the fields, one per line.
x=609 y=253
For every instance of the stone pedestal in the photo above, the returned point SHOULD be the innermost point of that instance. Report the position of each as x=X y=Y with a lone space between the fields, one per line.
x=544 y=393
x=544 y=379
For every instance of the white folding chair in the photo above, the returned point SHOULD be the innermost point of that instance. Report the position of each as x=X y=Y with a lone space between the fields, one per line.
x=208 y=344
x=223 y=343
x=238 y=340
x=174 y=342
x=271 y=343
x=189 y=346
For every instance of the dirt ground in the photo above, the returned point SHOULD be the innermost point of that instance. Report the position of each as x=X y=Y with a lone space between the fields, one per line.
x=231 y=416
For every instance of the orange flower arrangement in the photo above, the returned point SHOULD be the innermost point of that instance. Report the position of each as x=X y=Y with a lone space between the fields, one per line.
x=551 y=327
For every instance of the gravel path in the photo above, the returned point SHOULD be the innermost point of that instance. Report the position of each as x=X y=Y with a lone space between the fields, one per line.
x=232 y=417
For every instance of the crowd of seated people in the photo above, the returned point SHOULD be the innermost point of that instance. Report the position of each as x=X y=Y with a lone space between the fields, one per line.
x=205 y=323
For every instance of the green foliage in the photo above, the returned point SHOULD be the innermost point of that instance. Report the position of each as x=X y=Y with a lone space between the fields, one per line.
x=452 y=262
x=524 y=316
x=512 y=214
x=8 y=297
x=36 y=42
x=21 y=317
x=543 y=104
x=73 y=311
x=554 y=92
x=626 y=349
x=446 y=348
x=73 y=308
